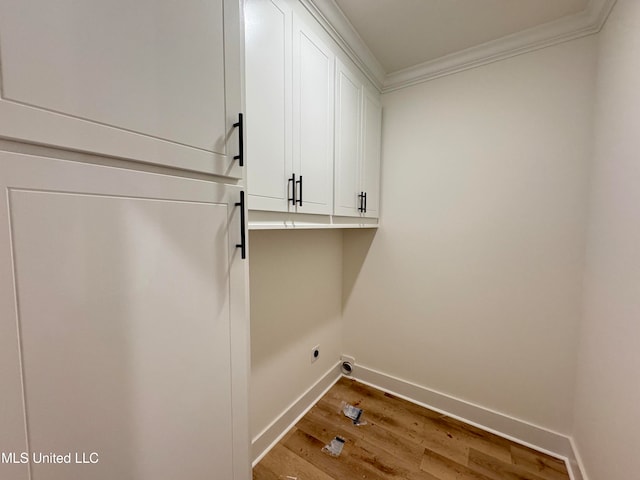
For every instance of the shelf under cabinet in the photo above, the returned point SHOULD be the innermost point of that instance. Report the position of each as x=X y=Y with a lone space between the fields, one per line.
x=263 y=220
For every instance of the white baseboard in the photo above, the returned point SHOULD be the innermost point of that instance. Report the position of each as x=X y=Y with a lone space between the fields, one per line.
x=576 y=461
x=270 y=436
x=539 y=438
x=520 y=431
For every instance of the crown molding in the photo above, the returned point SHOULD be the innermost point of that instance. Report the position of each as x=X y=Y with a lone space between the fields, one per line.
x=334 y=21
x=587 y=22
x=336 y=24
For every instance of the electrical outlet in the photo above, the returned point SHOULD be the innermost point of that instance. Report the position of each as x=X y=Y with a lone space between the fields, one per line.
x=315 y=353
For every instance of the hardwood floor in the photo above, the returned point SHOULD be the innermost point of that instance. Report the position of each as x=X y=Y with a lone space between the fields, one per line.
x=400 y=441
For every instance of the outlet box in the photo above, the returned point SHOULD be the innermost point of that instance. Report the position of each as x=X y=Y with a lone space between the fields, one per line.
x=315 y=353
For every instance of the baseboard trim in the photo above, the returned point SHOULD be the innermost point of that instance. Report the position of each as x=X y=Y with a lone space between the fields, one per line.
x=270 y=436
x=576 y=461
x=539 y=438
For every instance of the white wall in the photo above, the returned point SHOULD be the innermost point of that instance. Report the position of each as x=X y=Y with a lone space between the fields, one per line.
x=472 y=286
x=607 y=422
x=296 y=303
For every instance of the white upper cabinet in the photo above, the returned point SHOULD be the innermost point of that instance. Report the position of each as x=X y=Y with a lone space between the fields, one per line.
x=147 y=80
x=313 y=123
x=289 y=94
x=357 y=153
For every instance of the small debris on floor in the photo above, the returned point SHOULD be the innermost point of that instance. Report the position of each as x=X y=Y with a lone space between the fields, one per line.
x=354 y=413
x=288 y=477
x=335 y=447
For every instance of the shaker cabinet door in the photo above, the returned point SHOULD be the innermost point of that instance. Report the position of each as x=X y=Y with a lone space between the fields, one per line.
x=371 y=135
x=117 y=294
x=268 y=84
x=357 y=154
x=313 y=106
x=156 y=81
x=348 y=141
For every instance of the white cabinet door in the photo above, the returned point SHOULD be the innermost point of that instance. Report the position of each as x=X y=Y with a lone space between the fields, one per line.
x=348 y=141
x=268 y=98
x=122 y=329
x=357 y=158
x=150 y=80
x=290 y=85
x=370 y=164
x=313 y=105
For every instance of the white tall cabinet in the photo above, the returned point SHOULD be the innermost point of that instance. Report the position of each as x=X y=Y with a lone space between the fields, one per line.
x=120 y=293
x=290 y=91
x=123 y=322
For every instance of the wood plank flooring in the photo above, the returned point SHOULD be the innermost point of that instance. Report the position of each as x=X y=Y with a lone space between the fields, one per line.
x=401 y=440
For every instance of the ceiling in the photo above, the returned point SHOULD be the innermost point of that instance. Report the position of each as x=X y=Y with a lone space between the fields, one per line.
x=404 y=33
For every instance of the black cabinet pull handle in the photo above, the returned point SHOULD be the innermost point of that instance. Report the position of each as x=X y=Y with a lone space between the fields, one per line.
x=299 y=182
x=360 y=202
x=240 y=127
x=292 y=182
x=365 y=202
x=243 y=228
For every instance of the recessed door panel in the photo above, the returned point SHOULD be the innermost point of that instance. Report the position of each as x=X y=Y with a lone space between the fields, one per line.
x=123 y=315
x=313 y=119
x=371 y=136
x=268 y=86
x=348 y=135
x=149 y=80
